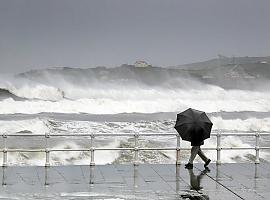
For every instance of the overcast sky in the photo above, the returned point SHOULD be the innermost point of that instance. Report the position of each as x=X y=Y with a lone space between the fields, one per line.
x=87 y=33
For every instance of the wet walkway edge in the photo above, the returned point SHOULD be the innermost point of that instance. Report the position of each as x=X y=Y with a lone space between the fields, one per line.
x=146 y=181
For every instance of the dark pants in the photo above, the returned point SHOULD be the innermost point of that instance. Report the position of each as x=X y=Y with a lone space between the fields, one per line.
x=194 y=151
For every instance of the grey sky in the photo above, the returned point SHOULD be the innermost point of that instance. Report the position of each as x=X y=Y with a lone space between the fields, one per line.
x=88 y=33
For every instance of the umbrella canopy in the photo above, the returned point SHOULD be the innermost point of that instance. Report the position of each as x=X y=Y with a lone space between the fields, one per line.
x=193 y=125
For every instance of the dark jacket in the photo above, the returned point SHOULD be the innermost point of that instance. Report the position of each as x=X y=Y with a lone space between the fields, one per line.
x=197 y=137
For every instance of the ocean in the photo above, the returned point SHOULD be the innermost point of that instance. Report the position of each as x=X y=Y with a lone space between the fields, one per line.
x=129 y=99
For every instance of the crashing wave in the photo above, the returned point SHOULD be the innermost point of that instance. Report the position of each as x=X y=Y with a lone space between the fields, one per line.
x=124 y=89
x=57 y=83
x=5 y=94
x=75 y=83
x=21 y=89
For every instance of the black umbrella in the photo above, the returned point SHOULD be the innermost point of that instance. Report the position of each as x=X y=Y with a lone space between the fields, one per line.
x=193 y=125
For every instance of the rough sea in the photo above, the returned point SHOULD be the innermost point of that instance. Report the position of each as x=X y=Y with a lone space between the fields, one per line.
x=129 y=99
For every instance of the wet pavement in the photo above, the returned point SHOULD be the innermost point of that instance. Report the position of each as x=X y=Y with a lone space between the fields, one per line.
x=146 y=181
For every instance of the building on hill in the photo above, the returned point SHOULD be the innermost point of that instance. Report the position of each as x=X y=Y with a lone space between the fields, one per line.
x=141 y=63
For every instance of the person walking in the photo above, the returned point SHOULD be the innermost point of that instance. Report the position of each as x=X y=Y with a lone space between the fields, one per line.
x=194 y=126
x=196 y=142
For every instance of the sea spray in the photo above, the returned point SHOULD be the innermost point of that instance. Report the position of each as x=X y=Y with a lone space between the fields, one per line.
x=145 y=101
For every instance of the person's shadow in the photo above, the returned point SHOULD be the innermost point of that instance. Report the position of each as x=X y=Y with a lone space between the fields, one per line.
x=195 y=184
x=195 y=180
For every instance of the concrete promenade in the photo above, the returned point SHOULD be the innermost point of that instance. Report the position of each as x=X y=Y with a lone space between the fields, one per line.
x=146 y=181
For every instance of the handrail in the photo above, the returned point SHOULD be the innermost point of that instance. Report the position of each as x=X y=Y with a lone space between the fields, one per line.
x=136 y=147
x=124 y=134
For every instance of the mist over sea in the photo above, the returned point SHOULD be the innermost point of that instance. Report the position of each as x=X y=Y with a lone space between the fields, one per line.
x=128 y=99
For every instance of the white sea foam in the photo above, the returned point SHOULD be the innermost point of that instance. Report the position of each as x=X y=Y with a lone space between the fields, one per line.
x=80 y=158
x=33 y=126
x=250 y=124
x=78 y=91
x=214 y=99
x=28 y=89
x=45 y=125
x=65 y=157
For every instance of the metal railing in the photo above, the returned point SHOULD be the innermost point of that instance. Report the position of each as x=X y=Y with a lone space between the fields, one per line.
x=47 y=150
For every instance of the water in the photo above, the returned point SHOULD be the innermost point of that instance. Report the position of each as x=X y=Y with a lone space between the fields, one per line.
x=126 y=100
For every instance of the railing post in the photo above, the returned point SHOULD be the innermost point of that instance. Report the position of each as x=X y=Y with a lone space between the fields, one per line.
x=257 y=148
x=4 y=178
x=135 y=177
x=92 y=150
x=136 y=149
x=46 y=182
x=218 y=148
x=178 y=150
x=92 y=175
x=4 y=150
x=47 y=150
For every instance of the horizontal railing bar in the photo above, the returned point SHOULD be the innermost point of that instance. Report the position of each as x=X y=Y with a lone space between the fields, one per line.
x=173 y=132
x=237 y=148
x=156 y=149
x=240 y=134
x=23 y=150
x=23 y=135
x=141 y=149
x=116 y=149
x=124 y=134
x=51 y=150
x=155 y=134
x=235 y=131
x=89 y=135
x=96 y=149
